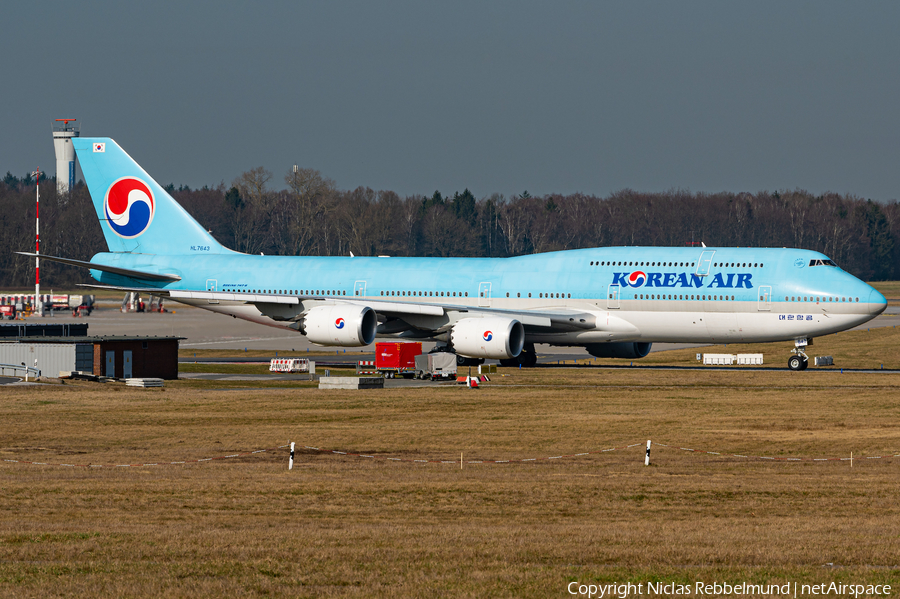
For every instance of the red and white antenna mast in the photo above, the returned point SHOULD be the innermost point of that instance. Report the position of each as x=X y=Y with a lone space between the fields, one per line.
x=38 y=304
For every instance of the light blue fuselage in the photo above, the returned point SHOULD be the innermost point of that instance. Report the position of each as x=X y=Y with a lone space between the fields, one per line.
x=753 y=294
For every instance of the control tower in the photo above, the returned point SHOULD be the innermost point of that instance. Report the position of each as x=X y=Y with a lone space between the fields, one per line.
x=65 y=153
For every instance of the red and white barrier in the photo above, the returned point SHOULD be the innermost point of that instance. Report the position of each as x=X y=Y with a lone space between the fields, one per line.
x=366 y=367
x=289 y=365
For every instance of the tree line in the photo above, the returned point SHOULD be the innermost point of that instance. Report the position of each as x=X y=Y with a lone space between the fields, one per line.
x=311 y=216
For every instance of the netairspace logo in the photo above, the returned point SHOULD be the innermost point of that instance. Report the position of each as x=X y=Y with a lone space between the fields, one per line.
x=725 y=589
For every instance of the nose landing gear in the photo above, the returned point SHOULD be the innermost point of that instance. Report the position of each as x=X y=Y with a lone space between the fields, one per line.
x=799 y=361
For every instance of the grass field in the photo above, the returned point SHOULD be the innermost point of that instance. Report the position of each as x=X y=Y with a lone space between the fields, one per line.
x=347 y=526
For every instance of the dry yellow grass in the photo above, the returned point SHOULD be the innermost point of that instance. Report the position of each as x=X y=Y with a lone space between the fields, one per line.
x=867 y=349
x=342 y=526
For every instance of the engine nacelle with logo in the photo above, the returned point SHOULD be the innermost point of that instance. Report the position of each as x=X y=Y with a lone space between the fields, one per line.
x=621 y=349
x=343 y=325
x=492 y=337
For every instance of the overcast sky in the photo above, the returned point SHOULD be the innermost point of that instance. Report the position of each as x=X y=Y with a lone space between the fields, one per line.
x=499 y=97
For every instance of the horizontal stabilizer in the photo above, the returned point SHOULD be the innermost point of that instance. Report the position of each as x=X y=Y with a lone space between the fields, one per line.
x=216 y=296
x=125 y=272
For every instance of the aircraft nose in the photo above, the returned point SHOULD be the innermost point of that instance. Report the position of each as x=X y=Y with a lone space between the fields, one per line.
x=877 y=302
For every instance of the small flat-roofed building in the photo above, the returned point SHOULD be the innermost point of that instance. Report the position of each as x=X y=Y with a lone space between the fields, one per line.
x=114 y=356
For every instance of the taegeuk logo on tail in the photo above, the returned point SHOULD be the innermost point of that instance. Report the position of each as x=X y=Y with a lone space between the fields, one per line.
x=129 y=207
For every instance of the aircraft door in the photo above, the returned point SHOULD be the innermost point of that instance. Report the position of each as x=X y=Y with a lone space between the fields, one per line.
x=765 y=296
x=359 y=289
x=211 y=285
x=705 y=262
x=612 y=298
x=484 y=295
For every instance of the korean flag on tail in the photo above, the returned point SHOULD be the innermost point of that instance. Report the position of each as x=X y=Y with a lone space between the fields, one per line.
x=100 y=147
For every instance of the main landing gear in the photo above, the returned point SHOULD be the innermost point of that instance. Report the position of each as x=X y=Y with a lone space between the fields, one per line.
x=526 y=358
x=799 y=361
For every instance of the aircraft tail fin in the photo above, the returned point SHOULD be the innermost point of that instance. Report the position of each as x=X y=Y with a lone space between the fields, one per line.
x=136 y=214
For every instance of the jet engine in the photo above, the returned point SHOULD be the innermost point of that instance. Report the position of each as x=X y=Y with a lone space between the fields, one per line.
x=492 y=337
x=344 y=325
x=621 y=349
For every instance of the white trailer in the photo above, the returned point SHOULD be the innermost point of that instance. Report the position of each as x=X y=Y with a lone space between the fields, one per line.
x=439 y=365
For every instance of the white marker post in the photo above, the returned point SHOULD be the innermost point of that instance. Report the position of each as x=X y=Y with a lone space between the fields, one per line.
x=647 y=457
x=291 y=459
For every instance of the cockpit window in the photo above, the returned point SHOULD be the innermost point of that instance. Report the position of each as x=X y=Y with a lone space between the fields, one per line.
x=822 y=263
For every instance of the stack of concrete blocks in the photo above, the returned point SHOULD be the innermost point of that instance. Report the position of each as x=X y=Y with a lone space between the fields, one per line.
x=351 y=382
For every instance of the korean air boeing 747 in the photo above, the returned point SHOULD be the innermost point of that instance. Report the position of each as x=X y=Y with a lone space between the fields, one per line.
x=613 y=301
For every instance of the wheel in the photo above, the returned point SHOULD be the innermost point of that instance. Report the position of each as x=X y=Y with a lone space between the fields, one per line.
x=528 y=359
x=464 y=361
x=805 y=365
x=796 y=363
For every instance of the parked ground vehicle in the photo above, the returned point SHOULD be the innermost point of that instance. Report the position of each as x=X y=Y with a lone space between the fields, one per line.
x=437 y=365
x=397 y=359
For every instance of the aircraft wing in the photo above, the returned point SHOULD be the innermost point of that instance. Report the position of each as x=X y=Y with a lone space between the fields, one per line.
x=126 y=272
x=417 y=315
x=567 y=320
